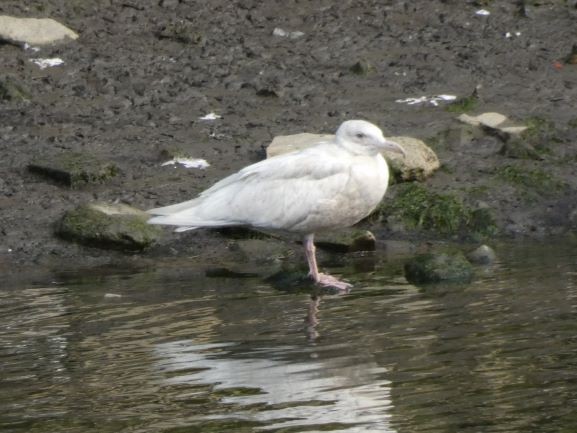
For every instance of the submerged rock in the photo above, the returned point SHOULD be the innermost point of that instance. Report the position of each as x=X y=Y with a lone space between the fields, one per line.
x=34 y=31
x=483 y=255
x=75 y=169
x=438 y=267
x=116 y=226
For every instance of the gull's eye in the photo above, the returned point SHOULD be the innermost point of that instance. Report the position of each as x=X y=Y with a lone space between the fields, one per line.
x=360 y=135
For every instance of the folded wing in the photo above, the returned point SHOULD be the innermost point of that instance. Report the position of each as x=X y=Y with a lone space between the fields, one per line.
x=279 y=193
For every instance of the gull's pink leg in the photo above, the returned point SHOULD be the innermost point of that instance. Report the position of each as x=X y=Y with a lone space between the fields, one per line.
x=324 y=280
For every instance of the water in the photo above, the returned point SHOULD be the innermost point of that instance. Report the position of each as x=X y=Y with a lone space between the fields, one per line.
x=169 y=350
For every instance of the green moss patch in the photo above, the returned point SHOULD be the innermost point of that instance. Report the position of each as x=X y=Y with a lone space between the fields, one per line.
x=464 y=105
x=529 y=180
x=446 y=214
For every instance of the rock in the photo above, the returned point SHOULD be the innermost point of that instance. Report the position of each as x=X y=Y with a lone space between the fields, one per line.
x=571 y=58
x=437 y=267
x=34 y=31
x=180 y=31
x=169 y=4
x=75 y=169
x=484 y=255
x=228 y=273
x=259 y=250
x=289 y=143
x=493 y=123
x=347 y=241
x=109 y=226
x=420 y=162
x=362 y=67
x=488 y=119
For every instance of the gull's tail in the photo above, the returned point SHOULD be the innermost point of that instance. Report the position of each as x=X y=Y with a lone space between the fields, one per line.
x=188 y=215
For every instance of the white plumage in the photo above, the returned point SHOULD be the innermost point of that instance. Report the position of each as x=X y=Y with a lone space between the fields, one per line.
x=328 y=186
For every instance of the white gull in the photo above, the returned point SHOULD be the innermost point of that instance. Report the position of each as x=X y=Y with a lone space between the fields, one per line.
x=331 y=185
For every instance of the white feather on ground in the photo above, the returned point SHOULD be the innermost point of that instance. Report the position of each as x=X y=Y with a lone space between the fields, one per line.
x=325 y=187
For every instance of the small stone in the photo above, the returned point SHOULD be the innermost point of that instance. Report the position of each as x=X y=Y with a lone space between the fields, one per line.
x=169 y=4
x=34 y=31
x=75 y=169
x=438 y=267
x=362 y=67
x=105 y=225
x=181 y=31
x=483 y=255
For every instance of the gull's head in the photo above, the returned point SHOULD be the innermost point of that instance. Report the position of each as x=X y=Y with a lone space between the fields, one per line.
x=360 y=136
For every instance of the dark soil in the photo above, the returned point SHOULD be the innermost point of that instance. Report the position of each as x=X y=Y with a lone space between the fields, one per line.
x=143 y=72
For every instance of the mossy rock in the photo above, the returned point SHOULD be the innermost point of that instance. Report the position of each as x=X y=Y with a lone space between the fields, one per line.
x=75 y=169
x=438 y=267
x=115 y=226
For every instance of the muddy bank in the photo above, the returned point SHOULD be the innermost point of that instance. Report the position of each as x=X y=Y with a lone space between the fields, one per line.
x=142 y=75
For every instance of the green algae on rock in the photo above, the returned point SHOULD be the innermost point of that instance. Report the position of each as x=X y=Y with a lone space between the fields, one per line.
x=104 y=225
